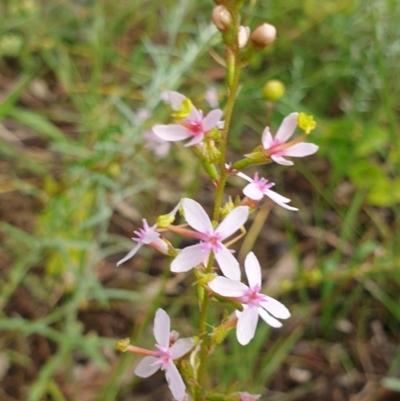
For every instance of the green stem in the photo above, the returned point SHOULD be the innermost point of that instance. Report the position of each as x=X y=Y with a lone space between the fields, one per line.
x=233 y=74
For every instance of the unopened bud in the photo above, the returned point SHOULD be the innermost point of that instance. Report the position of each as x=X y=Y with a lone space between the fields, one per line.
x=264 y=35
x=243 y=36
x=221 y=18
x=273 y=90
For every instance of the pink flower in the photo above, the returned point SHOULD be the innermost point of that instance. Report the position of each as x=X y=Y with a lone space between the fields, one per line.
x=145 y=236
x=193 y=126
x=211 y=239
x=165 y=355
x=259 y=187
x=277 y=147
x=254 y=303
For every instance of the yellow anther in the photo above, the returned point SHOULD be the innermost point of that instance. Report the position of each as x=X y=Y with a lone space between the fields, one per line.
x=122 y=345
x=165 y=220
x=306 y=123
x=183 y=110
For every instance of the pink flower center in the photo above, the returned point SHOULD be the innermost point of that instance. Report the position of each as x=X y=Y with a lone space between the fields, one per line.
x=194 y=126
x=212 y=242
x=262 y=183
x=164 y=357
x=276 y=148
x=252 y=296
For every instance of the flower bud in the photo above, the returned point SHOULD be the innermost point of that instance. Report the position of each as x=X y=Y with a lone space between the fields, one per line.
x=221 y=18
x=264 y=35
x=243 y=36
x=273 y=90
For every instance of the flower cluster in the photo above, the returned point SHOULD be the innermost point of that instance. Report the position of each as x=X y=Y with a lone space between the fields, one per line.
x=212 y=238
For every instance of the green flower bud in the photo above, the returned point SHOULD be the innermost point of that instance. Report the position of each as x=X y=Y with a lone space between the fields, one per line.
x=273 y=90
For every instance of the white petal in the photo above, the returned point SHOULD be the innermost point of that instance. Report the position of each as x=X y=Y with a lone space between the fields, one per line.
x=162 y=327
x=233 y=221
x=227 y=287
x=301 y=149
x=175 y=382
x=175 y=99
x=252 y=191
x=196 y=216
x=171 y=132
x=246 y=325
x=269 y=319
x=279 y=199
x=275 y=308
x=181 y=347
x=253 y=270
x=195 y=140
x=280 y=160
x=287 y=128
x=189 y=258
x=211 y=119
x=129 y=255
x=147 y=366
x=266 y=138
x=228 y=264
x=244 y=176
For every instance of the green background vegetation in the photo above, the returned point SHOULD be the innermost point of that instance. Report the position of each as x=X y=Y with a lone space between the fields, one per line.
x=76 y=179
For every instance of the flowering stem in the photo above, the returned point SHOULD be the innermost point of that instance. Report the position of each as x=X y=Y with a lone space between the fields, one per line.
x=233 y=73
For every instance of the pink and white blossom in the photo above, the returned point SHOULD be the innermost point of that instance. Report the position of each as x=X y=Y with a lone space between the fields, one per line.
x=277 y=147
x=211 y=239
x=165 y=355
x=254 y=303
x=145 y=236
x=259 y=187
x=194 y=126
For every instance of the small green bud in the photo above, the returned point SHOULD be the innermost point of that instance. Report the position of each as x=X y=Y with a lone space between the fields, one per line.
x=273 y=90
x=227 y=208
x=214 y=134
x=122 y=345
x=212 y=154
